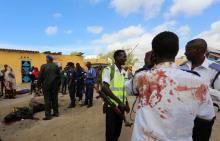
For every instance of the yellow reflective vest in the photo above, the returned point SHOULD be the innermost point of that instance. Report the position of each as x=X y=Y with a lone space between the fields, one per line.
x=117 y=86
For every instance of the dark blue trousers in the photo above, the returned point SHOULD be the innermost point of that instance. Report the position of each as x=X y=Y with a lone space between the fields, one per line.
x=89 y=94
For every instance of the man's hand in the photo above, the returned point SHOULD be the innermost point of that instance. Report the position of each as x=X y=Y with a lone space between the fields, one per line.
x=122 y=107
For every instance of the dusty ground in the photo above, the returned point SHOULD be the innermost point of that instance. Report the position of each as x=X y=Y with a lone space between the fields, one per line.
x=77 y=124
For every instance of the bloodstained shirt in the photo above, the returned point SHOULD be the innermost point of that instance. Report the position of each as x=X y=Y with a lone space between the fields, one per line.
x=169 y=99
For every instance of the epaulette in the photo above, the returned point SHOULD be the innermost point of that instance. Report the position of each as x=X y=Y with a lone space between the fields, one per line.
x=192 y=72
x=142 y=69
x=215 y=66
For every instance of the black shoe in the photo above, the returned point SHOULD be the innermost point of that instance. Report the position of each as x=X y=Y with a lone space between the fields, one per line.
x=55 y=115
x=88 y=106
x=71 y=106
x=47 y=118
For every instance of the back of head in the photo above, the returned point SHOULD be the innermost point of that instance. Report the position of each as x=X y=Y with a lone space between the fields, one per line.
x=49 y=58
x=165 y=45
x=198 y=43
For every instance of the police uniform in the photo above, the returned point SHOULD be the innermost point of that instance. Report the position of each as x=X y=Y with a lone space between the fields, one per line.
x=113 y=121
x=71 y=75
x=50 y=79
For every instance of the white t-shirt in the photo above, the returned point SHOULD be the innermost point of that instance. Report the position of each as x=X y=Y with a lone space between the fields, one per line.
x=169 y=99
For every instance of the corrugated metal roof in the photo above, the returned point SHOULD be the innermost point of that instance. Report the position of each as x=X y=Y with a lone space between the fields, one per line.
x=17 y=50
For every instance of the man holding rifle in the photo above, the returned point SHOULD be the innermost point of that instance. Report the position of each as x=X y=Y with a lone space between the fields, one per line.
x=113 y=87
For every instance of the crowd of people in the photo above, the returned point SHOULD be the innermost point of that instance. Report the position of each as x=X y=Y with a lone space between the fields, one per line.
x=73 y=77
x=174 y=103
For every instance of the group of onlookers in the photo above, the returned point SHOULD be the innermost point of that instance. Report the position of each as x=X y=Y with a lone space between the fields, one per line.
x=8 y=83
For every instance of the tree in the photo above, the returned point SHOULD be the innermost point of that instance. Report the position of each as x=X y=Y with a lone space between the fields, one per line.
x=131 y=59
x=74 y=53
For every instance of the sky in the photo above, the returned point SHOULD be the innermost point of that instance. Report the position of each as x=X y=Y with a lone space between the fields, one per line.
x=98 y=26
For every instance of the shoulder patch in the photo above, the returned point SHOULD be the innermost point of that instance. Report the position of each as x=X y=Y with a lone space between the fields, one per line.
x=215 y=66
x=192 y=72
x=141 y=69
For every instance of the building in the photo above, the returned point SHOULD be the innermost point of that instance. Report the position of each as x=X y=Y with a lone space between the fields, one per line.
x=214 y=54
x=21 y=61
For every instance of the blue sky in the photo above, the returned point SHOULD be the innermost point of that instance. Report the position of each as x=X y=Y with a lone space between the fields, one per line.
x=97 y=26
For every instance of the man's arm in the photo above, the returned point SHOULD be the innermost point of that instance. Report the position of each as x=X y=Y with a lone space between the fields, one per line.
x=106 y=87
x=40 y=78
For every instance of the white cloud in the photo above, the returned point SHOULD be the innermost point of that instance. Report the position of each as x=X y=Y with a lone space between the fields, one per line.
x=51 y=30
x=212 y=36
x=57 y=15
x=188 y=7
x=184 y=31
x=168 y=25
x=150 y=8
x=95 y=29
x=131 y=36
x=128 y=38
x=68 y=31
x=123 y=34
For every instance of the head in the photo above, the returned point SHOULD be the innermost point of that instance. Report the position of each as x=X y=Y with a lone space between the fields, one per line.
x=165 y=47
x=49 y=58
x=196 y=50
x=88 y=64
x=148 y=59
x=120 y=57
x=35 y=69
x=5 y=66
x=70 y=65
x=78 y=66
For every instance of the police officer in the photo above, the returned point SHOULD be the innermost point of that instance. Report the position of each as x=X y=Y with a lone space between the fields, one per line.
x=113 y=86
x=49 y=78
x=80 y=82
x=196 y=54
x=90 y=81
x=71 y=75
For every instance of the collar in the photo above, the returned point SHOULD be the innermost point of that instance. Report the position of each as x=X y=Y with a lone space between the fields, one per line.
x=205 y=64
x=166 y=65
x=117 y=69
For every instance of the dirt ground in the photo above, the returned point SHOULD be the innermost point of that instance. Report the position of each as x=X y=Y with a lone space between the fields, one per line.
x=77 y=124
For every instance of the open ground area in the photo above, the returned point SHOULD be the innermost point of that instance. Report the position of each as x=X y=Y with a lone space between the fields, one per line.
x=77 y=124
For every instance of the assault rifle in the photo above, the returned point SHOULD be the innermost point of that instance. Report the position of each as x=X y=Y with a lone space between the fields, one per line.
x=112 y=105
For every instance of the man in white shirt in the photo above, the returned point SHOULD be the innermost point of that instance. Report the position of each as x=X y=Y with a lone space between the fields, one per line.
x=196 y=54
x=169 y=99
x=113 y=87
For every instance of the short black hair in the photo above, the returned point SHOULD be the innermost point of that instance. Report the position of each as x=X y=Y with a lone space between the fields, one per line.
x=166 y=45
x=71 y=64
x=201 y=43
x=118 y=52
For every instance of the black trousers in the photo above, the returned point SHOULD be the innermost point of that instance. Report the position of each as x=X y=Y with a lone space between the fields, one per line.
x=72 y=93
x=79 y=90
x=89 y=94
x=2 y=87
x=63 y=86
x=113 y=125
x=51 y=101
x=202 y=129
